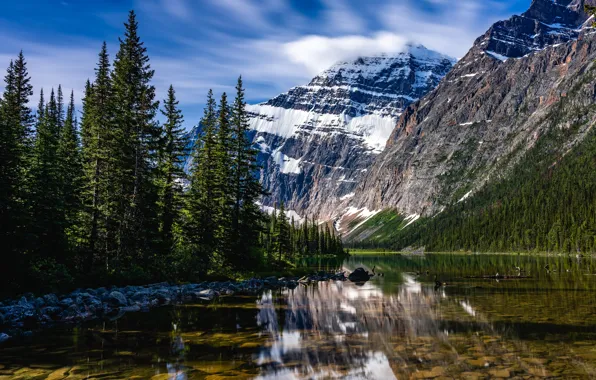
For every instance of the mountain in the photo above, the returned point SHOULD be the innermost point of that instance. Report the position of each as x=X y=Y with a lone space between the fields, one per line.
x=525 y=78
x=317 y=141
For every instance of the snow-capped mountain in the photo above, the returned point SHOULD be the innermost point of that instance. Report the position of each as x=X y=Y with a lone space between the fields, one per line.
x=523 y=77
x=545 y=23
x=317 y=140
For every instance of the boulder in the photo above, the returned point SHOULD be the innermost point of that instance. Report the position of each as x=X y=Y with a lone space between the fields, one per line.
x=51 y=299
x=207 y=294
x=117 y=299
x=4 y=337
x=359 y=275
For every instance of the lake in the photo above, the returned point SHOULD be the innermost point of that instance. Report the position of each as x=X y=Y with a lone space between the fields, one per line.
x=398 y=325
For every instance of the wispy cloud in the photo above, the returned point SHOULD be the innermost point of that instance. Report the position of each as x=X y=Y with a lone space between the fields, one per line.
x=316 y=53
x=274 y=44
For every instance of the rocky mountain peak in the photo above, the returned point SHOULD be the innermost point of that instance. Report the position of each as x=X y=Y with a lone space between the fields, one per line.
x=545 y=23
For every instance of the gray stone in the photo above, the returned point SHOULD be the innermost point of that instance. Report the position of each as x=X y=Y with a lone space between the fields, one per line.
x=66 y=302
x=207 y=294
x=4 y=337
x=117 y=299
x=51 y=299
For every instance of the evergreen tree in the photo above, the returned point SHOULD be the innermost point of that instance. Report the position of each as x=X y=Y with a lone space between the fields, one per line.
x=224 y=181
x=283 y=234
x=47 y=226
x=137 y=134
x=201 y=223
x=16 y=121
x=100 y=153
x=170 y=171
x=71 y=170
x=246 y=188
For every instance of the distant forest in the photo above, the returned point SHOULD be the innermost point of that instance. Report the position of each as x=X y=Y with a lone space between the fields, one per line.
x=547 y=203
x=100 y=197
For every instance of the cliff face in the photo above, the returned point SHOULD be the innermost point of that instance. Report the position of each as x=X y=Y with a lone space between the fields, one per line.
x=494 y=104
x=317 y=141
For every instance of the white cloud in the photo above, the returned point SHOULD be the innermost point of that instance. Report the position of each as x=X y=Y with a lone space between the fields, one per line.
x=341 y=18
x=450 y=29
x=177 y=8
x=317 y=53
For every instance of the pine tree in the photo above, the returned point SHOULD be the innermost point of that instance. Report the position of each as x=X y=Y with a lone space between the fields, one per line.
x=200 y=221
x=16 y=121
x=170 y=171
x=283 y=233
x=134 y=112
x=71 y=170
x=224 y=181
x=47 y=226
x=246 y=215
x=99 y=155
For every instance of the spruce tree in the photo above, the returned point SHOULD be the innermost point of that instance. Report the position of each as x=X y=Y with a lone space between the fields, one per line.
x=201 y=223
x=71 y=170
x=224 y=181
x=283 y=233
x=16 y=122
x=134 y=108
x=246 y=215
x=99 y=154
x=47 y=225
x=170 y=170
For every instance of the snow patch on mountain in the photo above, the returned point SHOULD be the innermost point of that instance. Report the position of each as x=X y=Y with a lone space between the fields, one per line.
x=286 y=164
x=373 y=130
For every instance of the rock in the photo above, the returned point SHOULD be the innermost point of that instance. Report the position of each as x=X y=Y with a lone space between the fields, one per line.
x=500 y=373
x=4 y=337
x=207 y=294
x=23 y=302
x=130 y=309
x=117 y=299
x=359 y=275
x=51 y=299
x=52 y=312
x=66 y=302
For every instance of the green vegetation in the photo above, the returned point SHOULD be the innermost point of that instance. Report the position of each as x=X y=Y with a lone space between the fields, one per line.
x=547 y=203
x=103 y=202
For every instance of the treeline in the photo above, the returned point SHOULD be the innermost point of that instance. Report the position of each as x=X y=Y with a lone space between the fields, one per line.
x=105 y=198
x=287 y=239
x=546 y=204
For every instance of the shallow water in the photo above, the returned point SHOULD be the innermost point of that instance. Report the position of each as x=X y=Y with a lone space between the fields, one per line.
x=394 y=326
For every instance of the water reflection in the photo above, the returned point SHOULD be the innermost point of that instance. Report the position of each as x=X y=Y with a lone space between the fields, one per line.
x=395 y=326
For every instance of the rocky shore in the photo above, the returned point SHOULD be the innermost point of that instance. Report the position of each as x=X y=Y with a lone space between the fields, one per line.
x=29 y=312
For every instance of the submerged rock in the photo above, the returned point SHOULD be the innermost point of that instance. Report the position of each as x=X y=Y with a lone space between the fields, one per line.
x=359 y=275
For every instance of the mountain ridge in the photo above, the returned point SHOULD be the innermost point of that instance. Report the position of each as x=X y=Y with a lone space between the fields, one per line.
x=485 y=114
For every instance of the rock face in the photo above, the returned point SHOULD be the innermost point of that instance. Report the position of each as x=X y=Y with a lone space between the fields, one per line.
x=524 y=76
x=547 y=22
x=317 y=141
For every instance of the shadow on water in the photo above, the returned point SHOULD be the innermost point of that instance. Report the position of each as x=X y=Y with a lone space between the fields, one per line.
x=394 y=326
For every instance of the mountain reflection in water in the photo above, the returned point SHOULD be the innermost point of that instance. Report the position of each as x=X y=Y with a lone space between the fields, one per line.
x=395 y=326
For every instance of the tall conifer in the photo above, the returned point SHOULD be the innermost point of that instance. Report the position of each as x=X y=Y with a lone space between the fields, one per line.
x=170 y=173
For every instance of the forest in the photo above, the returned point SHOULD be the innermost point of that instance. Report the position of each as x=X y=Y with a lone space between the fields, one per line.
x=99 y=197
x=546 y=203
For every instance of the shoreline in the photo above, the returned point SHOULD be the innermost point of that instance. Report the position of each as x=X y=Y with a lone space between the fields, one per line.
x=20 y=317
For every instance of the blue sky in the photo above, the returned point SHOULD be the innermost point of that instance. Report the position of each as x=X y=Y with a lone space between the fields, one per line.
x=200 y=44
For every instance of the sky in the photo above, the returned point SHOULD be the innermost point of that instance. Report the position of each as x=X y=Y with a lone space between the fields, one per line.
x=196 y=45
